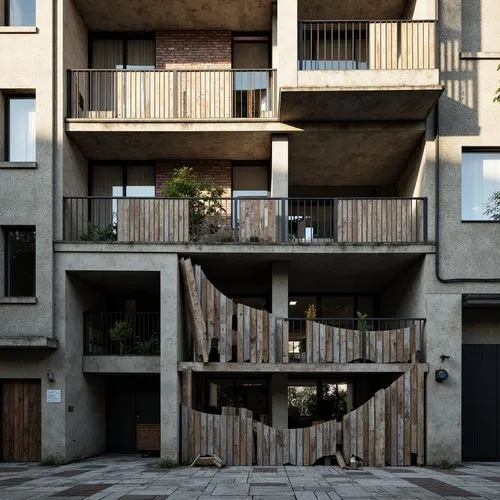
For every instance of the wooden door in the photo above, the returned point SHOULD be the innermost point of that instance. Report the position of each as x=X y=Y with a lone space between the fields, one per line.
x=21 y=420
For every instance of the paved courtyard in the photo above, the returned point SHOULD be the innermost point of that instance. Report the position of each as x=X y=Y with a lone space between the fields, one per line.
x=135 y=478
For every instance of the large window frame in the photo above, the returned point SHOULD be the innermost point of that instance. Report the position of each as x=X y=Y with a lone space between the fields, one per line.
x=8 y=117
x=474 y=204
x=7 y=14
x=9 y=291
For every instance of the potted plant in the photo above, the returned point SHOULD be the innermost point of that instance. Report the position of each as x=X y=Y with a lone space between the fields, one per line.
x=121 y=332
x=150 y=347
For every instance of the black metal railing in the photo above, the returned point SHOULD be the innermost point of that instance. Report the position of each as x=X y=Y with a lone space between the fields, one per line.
x=348 y=340
x=358 y=45
x=246 y=220
x=121 y=333
x=172 y=94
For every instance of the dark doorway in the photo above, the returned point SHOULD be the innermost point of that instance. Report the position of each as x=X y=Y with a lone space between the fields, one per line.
x=133 y=407
x=480 y=402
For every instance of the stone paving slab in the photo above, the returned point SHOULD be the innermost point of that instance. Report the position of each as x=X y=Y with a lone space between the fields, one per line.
x=137 y=478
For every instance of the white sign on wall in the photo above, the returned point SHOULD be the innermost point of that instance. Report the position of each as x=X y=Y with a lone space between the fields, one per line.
x=53 y=395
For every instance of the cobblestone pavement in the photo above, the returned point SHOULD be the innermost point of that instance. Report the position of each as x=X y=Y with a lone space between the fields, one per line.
x=135 y=478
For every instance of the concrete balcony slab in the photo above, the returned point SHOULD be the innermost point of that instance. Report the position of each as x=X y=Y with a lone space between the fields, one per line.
x=121 y=364
x=28 y=342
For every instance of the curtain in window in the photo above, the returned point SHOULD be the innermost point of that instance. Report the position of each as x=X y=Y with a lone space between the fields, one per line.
x=480 y=180
x=107 y=54
x=22 y=13
x=140 y=54
x=140 y=181
x=106 y=181
x=22 y=130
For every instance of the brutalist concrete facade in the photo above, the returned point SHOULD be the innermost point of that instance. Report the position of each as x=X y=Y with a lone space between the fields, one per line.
x=388 y=131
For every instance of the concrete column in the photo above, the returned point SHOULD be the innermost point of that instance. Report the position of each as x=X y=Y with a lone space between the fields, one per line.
x=169 y=379
x=279 y=166
x=444 y=400
x=287 y=43
x=279 y=289
x=279 y=400
x=350 y=396
x=274 y=37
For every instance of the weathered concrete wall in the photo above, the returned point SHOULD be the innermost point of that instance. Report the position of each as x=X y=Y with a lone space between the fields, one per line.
x=27 y=65
x=467 y=118
x=480 y=20
x=75 y=56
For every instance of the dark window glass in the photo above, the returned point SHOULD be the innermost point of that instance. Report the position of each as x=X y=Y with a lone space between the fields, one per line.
x=21 y=12
x=20 y=257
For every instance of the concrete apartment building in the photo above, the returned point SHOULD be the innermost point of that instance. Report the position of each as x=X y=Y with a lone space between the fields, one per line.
x=357 y=147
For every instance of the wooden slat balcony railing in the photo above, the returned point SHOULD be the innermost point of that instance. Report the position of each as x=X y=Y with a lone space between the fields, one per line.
x=172 y=94
x=121 y=333
x=322 y=221
x=367 y=45
x=347 y=340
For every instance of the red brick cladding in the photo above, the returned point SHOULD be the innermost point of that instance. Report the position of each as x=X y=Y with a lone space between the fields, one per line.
x=217 y=171
x=193 y=49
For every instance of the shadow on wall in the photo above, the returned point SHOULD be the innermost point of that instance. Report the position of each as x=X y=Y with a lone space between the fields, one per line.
x=459 y=103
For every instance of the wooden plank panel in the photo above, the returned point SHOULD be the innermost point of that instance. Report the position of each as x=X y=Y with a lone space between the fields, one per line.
x=400 y=419
x=421 y=409
x=414 y=411
x=300 y=446
x=217 y=427
x=379 y=348
x=246 y=333
x=184 y=434
x=371 y=432
x=236 y=440
x=394 y=424
x=337 y=345
x=243 y=441
x=240 y=333
x=379 y=418
x=400 y=348
x=320 y=432
x=322 y=343
x=250 y=441
x=260 y=442
x=286 y=446
x=307 y=446
x=313 y=450
x=315 y=341
x=413 y=344
x=259 y=337
x=222 y=318
x=346 y=436
x=407 y=418
x=293 y=446
x=272 y=445
x=229 y=440
x=265 y=336
x=387 y=346
x=229 y=329
x=272 y=339
x=266 y=448
x=329 y=343
x=285 y=334
x=360 y=438
x=309 y=347
x=279 y=446
x=253 y=335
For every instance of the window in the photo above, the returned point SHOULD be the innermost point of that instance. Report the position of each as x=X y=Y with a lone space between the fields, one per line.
x=481 y=186
x=122 y=53
x=20 y=262
x=21 y=12
x=21 y=133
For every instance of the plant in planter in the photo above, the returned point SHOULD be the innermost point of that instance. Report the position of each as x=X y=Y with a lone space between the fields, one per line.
x=150 y=347
x=95 y=232
x=121 y=332
x=204 y=200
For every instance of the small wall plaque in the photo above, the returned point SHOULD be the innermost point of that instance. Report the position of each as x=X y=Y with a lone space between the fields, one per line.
x=53 y=395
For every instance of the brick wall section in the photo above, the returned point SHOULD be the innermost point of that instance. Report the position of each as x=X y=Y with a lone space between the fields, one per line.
x=193 y=49
x=217 y=171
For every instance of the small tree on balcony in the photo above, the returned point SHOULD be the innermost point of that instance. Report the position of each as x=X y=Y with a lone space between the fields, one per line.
x=204 y=200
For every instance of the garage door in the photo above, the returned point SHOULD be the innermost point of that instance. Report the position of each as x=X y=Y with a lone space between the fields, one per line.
x=481 y=402
x=20 y=420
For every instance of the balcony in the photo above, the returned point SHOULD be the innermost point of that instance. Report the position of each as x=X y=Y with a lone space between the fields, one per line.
x=260 y=221
x=349 y=340
x=164 y=95
x=364 y=70
x=121 y=334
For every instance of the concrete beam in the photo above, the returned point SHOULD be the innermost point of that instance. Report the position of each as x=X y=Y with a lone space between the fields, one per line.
x=298 y=368
x=121 y=364
x=23 y=342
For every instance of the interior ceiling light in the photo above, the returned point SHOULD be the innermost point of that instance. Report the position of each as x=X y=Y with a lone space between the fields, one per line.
x=293 y=302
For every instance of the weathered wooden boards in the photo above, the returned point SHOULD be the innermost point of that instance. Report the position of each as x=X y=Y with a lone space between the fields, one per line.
x=389 y=428
x=253 y=341
x=152 y=220
x=148 y=437
x=257 y=220
x=329 y=344
x=380 y=221
x=239 y=440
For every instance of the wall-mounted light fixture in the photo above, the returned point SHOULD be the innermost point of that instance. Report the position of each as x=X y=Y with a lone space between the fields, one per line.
x=441 y=375
x=292 y=303
x=50 y=375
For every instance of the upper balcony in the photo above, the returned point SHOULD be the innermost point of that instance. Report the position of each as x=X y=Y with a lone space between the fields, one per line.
x=172 y=95
x=256 y=221
x=363 y=70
